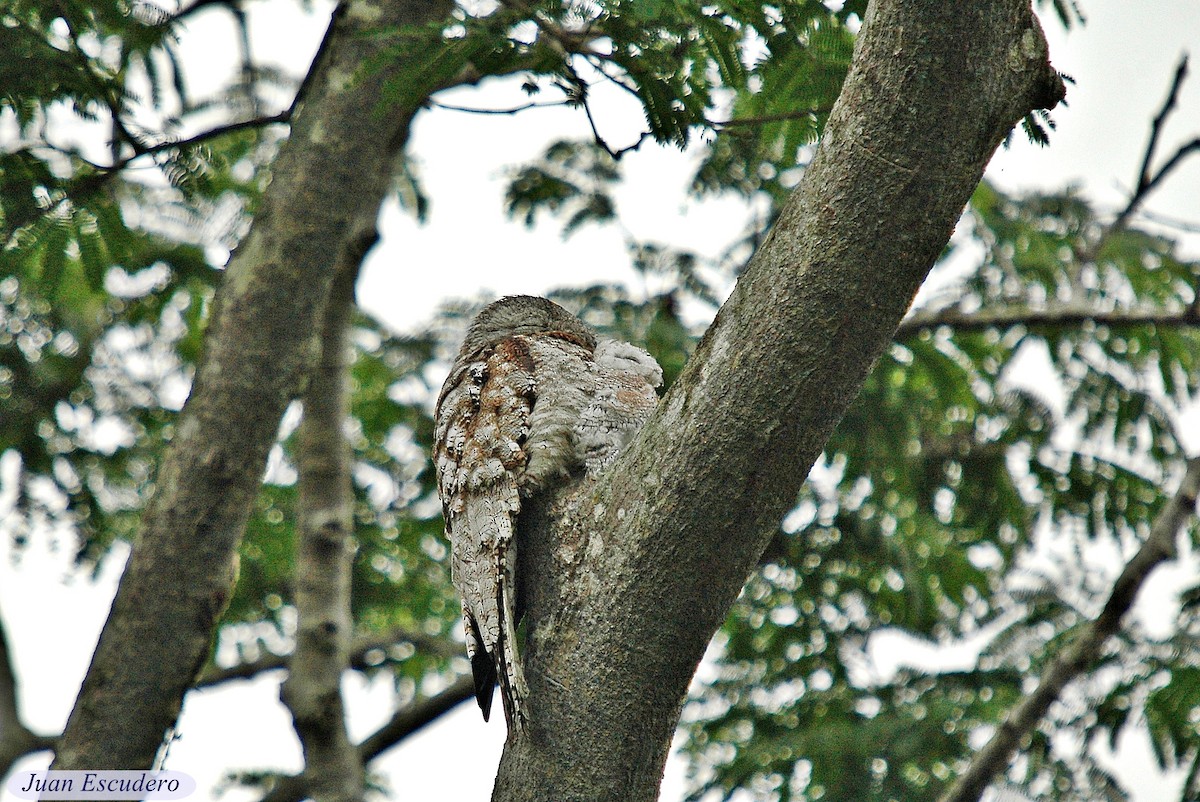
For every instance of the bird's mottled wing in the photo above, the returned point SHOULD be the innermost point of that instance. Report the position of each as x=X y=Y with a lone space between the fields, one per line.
x=482 y=424
x=623 y=398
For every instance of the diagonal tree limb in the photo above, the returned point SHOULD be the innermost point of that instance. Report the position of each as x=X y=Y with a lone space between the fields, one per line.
x=1158 y=547
x=652 y=554
x=257 y=351
x=411 y=718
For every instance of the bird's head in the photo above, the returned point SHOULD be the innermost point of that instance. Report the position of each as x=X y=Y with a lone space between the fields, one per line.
x=523 y=314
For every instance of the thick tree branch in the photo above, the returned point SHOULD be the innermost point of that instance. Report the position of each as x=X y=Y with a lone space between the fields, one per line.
x=258 y=348
x=325 y=549
x=1082 y=652
x=643 y=564
x=16 y=740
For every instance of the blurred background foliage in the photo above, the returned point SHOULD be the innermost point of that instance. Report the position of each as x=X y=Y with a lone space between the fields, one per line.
x=1024 y=419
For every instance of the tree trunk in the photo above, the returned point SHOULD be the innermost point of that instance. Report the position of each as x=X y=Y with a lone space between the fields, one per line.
x=325 y=551
x=258 y=349
x=629 y=577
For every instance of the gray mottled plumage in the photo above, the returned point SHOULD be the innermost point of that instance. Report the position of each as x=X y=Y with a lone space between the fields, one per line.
x=532 y=400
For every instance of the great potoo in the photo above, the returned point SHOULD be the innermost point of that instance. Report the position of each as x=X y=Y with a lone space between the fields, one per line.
x=533 y=401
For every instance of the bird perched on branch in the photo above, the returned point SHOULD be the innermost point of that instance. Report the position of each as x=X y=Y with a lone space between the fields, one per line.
x=533 y=401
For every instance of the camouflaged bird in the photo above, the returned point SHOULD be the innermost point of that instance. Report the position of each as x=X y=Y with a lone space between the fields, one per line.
x=533 y=400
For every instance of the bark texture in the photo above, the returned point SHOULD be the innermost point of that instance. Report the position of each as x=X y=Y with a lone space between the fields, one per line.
x=627 y=579
x=325 y=553
x=259 y=346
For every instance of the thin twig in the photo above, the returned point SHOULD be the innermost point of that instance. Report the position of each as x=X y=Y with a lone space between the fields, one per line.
x=597 y=62
x=1147 y=182
x=199 y=5
x=1171 y=222
x=204 y=136
x=437 y=104
x=121 y=134
x=86 y=185
x=361 y=650
x=766 y=118
x=1066 y=315
x=249 y=70
x=1082 y=652
x=1160 y=119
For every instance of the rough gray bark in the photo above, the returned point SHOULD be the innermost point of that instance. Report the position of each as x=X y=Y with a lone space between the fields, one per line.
x=325 y=550
x=16 y=740
x=258 y=349
x=641 y=568
x=1085 y=649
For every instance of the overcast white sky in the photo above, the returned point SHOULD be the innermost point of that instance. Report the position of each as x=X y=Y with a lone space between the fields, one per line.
x=1122 y=61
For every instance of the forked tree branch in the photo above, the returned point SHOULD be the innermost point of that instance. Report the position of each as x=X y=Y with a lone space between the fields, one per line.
x=407 y=721
x=1083 y=650
x=651 y=555
x=1146 y=181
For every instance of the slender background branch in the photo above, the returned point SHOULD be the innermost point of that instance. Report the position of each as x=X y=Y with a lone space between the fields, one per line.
x=408 y=720
x=360 y=650
x=1059 y=316
x=325 y=548
x=1086 y=648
